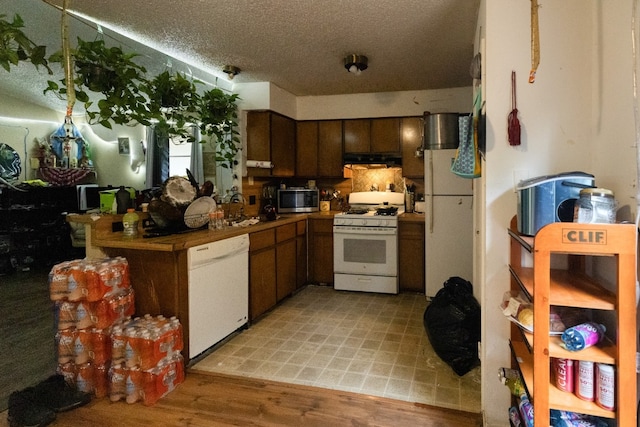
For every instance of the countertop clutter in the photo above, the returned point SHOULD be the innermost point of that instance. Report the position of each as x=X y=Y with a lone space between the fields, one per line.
x=102 y=234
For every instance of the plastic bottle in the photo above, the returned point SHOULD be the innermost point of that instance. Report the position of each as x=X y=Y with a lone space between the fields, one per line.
x=526 y=410
x=130 y=223
x=511 y=378
x=118 y=345
x=582 y=336
x=123 y=200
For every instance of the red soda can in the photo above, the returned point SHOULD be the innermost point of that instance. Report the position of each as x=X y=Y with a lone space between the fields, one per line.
x=564 y=374
x=584 y=376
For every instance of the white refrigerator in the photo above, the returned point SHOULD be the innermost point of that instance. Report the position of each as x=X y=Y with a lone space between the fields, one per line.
x=449 y=222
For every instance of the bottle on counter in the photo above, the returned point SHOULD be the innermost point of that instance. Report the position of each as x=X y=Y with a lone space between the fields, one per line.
x=123 y=200
x=130 y=223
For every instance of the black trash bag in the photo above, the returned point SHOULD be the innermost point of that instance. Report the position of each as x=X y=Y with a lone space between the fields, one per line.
x=452 y=323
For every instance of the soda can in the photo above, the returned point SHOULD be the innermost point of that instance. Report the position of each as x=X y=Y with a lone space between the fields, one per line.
x=605 y=386
x=563 y=369
x=585 y=378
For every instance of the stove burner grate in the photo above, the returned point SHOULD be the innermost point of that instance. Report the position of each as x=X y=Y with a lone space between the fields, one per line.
x=390 y=211
x=357 y=211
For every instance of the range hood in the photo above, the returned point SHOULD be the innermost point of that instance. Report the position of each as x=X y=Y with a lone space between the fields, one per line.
x=372 y=160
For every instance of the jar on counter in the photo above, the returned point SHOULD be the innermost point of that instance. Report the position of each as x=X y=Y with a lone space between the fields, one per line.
x=595 y=206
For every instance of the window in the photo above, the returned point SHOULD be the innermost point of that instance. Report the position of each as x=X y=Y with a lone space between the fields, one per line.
x=179 y=158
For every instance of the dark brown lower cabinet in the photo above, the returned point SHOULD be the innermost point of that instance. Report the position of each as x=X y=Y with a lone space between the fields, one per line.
x=411 y=262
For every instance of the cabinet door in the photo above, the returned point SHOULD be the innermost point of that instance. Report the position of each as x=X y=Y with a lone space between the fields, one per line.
x=321 y=250
x=385 y=135
x=262 y=281
x=258 y=140
x=283 y=150
x=412 y=166
x=301 y=253
x=411 y=256
x=357 y=135
x=307 y=148
x=330 y=149
x=286 y=268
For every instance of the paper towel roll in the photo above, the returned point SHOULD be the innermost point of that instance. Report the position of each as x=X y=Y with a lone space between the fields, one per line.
x=259 y=164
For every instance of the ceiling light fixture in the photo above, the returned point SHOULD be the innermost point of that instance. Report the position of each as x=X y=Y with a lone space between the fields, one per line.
x=355 y=63
x=231 y=71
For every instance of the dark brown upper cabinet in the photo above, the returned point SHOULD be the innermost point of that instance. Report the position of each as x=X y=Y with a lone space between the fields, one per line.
x=372 y=135
x=319 y=148
x=412 y=166
x=271 y=137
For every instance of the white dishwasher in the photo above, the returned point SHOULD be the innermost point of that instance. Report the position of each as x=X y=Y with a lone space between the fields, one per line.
x=218 y=291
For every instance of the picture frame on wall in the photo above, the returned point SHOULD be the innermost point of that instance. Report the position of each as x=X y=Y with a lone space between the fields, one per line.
x=123 y=146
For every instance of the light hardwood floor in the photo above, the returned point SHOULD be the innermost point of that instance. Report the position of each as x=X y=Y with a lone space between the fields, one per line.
x=207 y=399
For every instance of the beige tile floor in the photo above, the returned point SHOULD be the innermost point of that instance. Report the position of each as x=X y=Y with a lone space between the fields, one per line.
x=367 y=343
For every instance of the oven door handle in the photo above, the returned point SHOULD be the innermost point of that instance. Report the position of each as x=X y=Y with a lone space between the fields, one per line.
x=371 y=231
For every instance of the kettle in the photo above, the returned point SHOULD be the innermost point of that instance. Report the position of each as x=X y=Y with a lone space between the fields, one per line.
x=269 y=212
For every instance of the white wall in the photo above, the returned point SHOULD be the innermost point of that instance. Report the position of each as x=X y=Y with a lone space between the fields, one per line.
x=22 y=123
x=384 y=104
x=576 y=116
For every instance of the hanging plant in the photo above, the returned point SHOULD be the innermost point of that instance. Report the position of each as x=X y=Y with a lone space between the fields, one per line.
x=173 y=102
x=15 y=46
x=111 y=72
x=218 y=116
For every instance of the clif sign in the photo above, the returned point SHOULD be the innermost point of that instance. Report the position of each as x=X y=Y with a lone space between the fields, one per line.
x=594 y=237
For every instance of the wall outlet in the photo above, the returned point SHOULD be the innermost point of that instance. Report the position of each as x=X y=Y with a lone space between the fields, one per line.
x=252 y=200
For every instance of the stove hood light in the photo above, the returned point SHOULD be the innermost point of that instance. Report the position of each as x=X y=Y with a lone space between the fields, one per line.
x=371 y=161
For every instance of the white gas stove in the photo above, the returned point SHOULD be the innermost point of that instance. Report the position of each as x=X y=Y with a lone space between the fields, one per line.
x=365 y=242
x=372 y=209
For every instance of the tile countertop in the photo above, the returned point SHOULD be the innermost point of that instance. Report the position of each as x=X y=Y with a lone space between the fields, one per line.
x=103 y=236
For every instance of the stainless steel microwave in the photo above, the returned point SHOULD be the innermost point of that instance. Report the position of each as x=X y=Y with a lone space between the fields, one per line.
x=298 y=200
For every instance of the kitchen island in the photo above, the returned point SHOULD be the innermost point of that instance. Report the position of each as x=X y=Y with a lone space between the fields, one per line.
x=159 y=265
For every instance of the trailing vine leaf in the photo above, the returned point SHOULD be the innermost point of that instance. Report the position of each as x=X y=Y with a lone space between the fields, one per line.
x=111 y=72
x=16 y=46
x=218 y=114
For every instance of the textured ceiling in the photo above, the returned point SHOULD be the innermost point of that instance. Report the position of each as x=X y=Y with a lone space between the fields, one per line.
x=298 y=45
